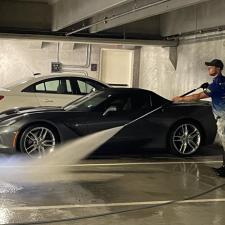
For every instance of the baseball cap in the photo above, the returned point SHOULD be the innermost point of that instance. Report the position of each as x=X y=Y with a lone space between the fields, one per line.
x=215 y=62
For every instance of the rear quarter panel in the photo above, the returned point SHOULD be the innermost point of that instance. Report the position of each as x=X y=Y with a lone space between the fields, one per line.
x=199 y=114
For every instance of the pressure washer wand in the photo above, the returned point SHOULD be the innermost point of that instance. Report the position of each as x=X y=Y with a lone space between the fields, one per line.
x=190 y=92
x=203 y=86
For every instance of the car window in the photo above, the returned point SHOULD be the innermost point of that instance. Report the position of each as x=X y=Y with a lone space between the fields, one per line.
x=85 y=87
x=157 y=100
x=127 y=103
x=140 y=101
x=87 y=102
x=40 y=87
x=54 y=86
x=100 y=101
x=121 y=102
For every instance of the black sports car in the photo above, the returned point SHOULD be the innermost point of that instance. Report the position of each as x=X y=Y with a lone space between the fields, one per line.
x=180 y=127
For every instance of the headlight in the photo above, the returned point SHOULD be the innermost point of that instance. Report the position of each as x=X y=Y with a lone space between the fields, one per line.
x=7 y=123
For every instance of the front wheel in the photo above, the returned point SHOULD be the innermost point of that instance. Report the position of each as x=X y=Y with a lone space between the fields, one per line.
x=185 y=138
x=37 y=140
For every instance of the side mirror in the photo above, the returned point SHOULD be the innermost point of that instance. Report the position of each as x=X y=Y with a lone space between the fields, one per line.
x=93 y=90
x=110 y=109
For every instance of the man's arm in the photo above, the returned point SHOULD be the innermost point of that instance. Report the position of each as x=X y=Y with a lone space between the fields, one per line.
x=190 y=98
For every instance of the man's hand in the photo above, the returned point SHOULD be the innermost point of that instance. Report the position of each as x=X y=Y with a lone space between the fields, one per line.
x=205 y=85
x=190 y=98
x=177 y=99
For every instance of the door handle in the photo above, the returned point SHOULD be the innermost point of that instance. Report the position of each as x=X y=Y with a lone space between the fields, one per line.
x=48 y=100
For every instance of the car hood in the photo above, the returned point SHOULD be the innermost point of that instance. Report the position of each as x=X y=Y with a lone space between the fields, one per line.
x=15 y=112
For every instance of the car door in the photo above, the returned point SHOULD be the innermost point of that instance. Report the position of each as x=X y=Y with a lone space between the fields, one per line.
x=128 y=108
x=55 y=92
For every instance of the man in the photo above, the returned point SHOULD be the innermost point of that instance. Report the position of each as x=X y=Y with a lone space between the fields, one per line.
x=215 y=90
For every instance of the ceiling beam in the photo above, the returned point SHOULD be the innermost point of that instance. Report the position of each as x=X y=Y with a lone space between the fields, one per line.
x=107 y=41
x=121 y=16
x=25 y=15
x=194 y=19
x=67 y=13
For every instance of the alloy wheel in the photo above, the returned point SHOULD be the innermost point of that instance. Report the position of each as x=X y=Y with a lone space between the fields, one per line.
x=39 y=141
x=186 y=139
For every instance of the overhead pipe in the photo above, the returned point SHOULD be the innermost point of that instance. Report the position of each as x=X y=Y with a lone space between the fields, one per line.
x=200 y=35
x=106 y=19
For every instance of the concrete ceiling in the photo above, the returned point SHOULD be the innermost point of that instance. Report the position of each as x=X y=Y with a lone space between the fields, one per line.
x=135 y=19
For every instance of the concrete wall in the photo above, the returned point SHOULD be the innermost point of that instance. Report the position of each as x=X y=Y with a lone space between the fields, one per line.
x=158 y=74
x=156 y=71
x=19 y=59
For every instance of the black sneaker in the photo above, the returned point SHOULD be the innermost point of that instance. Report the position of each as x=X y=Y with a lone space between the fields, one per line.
x=220 y=171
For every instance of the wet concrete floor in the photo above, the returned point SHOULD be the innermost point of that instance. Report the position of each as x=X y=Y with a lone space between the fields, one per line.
x=158 y=189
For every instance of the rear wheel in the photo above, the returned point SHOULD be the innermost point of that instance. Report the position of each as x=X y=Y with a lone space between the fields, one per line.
x=185 y=138
x=38 y=140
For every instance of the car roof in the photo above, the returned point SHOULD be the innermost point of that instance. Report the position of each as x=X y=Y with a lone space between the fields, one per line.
x=21 y=84
x=131 y=91
x=126 y=90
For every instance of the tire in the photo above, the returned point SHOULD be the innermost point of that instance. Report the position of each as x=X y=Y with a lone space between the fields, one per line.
x=38 y=140
x=185 y=138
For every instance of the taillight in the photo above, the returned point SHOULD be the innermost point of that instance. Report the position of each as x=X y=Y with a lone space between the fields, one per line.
x=1 y=97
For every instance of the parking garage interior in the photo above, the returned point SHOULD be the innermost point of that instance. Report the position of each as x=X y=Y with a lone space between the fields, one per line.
x=156 y=45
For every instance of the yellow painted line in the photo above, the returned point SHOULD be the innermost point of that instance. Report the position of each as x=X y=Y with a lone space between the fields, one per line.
x=119 y=164
x=121 y=204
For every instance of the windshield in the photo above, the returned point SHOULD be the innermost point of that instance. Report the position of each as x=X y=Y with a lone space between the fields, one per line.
x=87 y=102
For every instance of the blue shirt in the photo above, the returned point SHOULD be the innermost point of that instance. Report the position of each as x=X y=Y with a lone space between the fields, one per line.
x=216 y=90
